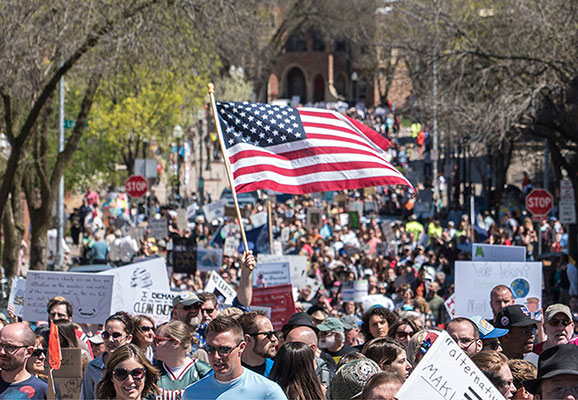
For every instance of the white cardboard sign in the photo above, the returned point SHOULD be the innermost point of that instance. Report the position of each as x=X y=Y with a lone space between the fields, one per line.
x=157 y=304
x=356 y=291
x=272 y=274
x=214 y=210
x=209 y=259
x=447 y=373
x=298 y=267
x=131 y=279
x=219 y=286
x=475 y=280
x=17 y=295
x=90 y=295
x=493 y=252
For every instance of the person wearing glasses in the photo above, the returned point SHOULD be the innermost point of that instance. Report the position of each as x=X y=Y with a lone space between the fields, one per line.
x=129 y=376
x=489 y=334
x=558 y=326
x=186 y=307
x=36 y=362
x=230 y=380
x=261 y=342
x=118 y=330
x=466 y=335
x=16 y=346
x=519 y=341
x=144 y=334
x=172 y=342
x=209 y=310
x=495 y=366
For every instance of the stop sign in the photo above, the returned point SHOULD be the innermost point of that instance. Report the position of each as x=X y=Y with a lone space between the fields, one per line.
x=539 y=202
x=136 y=186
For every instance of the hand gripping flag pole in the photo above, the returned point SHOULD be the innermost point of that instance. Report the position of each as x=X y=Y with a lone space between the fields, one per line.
x=227 y=164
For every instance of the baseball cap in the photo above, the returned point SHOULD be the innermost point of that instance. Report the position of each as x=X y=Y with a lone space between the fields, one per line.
x=487 y=330
x=331 y=324
x=554 y=309
x=349 y=322
x=513 y=316
x=187 y=299
x=350 y=379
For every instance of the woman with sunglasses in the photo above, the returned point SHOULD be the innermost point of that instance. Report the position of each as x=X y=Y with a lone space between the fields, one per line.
x=36 y=362
x=172 y=343
x=144 y=334
x=128 y=376
x=118 y=330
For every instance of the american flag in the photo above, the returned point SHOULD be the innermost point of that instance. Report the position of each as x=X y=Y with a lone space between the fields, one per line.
x=302 y=150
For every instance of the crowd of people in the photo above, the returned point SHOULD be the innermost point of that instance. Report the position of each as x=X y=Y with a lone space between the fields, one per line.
x=331 y=347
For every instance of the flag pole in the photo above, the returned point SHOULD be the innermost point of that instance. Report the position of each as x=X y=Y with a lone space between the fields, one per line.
x=227 y=165
x=270 y=226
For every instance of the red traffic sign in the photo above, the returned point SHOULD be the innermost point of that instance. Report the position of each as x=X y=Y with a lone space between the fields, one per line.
x=136 y=186
x=539 y=202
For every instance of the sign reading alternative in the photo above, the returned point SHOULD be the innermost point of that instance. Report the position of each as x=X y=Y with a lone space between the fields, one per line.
x=475 y=280
x=279 y=299
x=157 y=304
x=272 y=274
x=447 y=373
x=90 y=295
x=493 y=252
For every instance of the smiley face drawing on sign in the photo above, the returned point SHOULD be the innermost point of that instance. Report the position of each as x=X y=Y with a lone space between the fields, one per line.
x=88 y=310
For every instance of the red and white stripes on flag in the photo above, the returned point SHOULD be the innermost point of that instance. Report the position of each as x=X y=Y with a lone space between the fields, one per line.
x=302 y=150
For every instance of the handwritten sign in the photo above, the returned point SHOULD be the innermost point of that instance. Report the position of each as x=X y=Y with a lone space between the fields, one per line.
x=220 y=288
x=69 y=376
x=492 y=252
x=272 y=274
x=209 y=259
x=298 y=266
x=214 y=210
x=90 y=295
x=158 y=228
x=17 y=295
x=355 y=291
x=133 y=278
x=157 y=304
x=314 y=218
x=447 y=373
x=475 y=280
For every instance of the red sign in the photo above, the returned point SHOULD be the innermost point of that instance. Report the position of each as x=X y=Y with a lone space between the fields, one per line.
x=539 y=202
x=136 y=186
x=279 y=299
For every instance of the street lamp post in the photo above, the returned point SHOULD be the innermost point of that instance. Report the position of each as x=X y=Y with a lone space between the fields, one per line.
x=354 y=79
x=178 y=135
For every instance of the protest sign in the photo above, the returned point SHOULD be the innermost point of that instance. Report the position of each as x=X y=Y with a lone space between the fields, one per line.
x=355 y=291
x=355 y=206
x=209 y=259
x=277 y=248
x=279 y=299
x=214 y=210
x=259 y=219
x=340 y=200
x=230 y=246
x=285 y=234
x=157 y=304
x=90 y=295
x=492 y=252
x=474 y=280
x=370 y=206
x=220 y=288
x=183 y=256
x=158 y=228
x=446 y=372
x=17 y=295
x=69 y=377
x=182 y=221
x=266 y=310
x=298 y=266
x=450 y=305
x=314 y=218
x=131 y=279
x=272 y=274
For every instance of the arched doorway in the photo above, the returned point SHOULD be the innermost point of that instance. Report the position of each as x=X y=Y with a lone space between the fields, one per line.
x=318 y=89
x=296 y=85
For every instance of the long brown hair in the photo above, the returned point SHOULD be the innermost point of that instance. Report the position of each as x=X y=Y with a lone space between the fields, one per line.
x=294 y=371
x=105 y=388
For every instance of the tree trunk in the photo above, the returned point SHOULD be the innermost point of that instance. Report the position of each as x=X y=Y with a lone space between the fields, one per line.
x=12 y=240
x=38 y=243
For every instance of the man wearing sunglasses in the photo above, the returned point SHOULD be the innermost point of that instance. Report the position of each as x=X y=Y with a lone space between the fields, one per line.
x=558 y=326
x=16 y=346
x=261 y=342
x=230 y=380
x=186 y=307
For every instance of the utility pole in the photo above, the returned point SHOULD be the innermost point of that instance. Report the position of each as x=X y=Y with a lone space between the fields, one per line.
x=435 y=151
x=59 y=261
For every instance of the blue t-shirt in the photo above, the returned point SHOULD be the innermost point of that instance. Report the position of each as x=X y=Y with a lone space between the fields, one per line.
x=31 y=388
x=249 y=385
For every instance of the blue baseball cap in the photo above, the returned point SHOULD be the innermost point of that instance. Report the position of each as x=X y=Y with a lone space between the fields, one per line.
x=487 y=330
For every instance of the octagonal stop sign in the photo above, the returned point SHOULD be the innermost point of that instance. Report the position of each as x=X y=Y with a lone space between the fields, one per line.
x=539 y=202
x=136 y=186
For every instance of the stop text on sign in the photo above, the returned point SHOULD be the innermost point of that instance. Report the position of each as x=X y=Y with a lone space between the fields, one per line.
x=540 y=202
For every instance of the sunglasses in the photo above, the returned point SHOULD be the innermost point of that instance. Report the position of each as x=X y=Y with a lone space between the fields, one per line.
x=222 y=350
x=269 y=334
x=159 y=339
x=558 y=322
x=207 y=310
x=192 y=307
x=146 y=328
x=115 y=335
x=39 y=352
x=121 y=374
